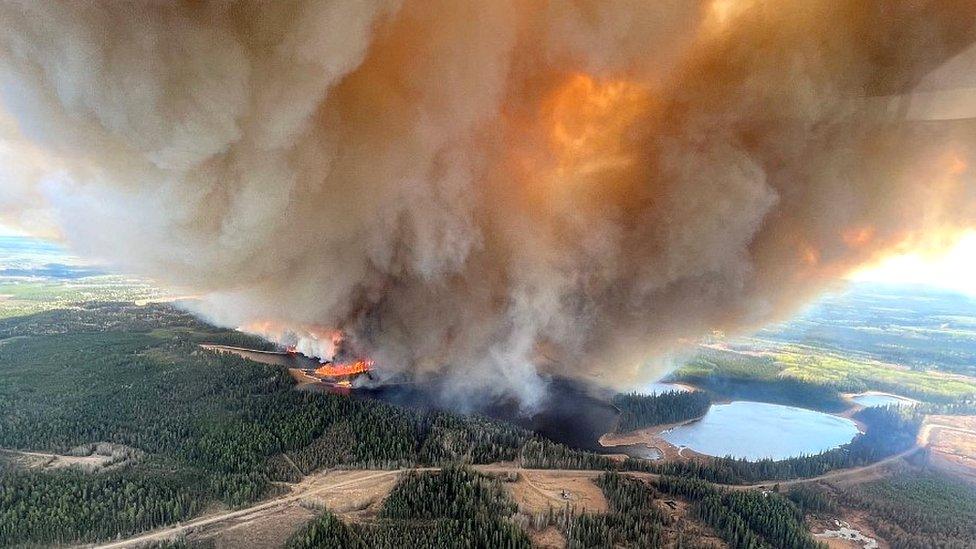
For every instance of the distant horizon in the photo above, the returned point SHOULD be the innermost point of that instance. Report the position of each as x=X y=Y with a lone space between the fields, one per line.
x=953 y=270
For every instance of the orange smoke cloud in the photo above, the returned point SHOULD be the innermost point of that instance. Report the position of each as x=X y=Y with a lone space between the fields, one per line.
x=590 y=122
x=858 y=237
x=458 y=185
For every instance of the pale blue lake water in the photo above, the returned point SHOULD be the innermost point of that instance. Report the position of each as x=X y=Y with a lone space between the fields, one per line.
x=870 y=400
x=756 y=430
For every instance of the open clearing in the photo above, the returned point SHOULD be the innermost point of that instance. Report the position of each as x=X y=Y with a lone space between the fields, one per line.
x=355 y=500
x=245 y=524
x=537 y=491
x=288 y=512
x=548 y=538
x=352 y=495
x=89 y=458
x=851 y=533
x=952 y=441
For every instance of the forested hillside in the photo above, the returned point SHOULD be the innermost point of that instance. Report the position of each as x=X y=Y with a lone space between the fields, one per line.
x=917 y=509
x=213 y=426
x=633 y=521
x=638 y=410
x=914 y=507
x=745 y=519
x=738 y=376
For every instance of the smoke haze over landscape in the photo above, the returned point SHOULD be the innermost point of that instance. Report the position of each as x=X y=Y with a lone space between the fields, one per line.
x=493 y=190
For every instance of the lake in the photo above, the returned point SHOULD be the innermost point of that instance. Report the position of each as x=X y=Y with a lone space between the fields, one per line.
x=756 y=430
x=871 y=400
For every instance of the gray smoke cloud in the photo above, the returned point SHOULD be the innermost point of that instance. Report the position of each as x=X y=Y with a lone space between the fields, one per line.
x=491 y=190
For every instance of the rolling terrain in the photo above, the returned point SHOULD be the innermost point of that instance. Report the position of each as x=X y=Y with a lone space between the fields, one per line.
x=120 y=430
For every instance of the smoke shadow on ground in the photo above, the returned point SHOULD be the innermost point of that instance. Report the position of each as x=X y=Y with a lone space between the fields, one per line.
x=569 y=412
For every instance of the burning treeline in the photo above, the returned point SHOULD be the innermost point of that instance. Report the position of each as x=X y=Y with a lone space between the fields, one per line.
x=492 y=189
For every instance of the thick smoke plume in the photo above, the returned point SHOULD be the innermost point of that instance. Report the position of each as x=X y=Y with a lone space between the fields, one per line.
x=492 y=189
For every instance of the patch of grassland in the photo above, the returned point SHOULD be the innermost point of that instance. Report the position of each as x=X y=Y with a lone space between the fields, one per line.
x=24 y=297
x=854 y=375
x=816 y=368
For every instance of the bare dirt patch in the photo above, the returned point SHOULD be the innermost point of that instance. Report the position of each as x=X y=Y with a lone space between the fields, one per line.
x=967 y=423
x=353 y=495
x=263 y=531
x=90 y=458
x=549 y=538
x=952 y=443
x=355 y=501
x=849 y=530
x=686 y=526
x=538 y=491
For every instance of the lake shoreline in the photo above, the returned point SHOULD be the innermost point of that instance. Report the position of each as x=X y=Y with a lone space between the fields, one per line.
x=656 y=436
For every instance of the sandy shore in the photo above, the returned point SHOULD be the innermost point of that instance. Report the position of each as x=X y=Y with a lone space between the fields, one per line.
x=651 y=438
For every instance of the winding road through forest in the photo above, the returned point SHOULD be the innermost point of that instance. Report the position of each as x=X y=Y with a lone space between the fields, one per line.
x=213 y=523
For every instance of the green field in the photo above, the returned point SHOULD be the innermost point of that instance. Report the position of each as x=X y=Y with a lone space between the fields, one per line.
x=818 y=376
x=23 y=297
x=37 y=275
x=853 y=375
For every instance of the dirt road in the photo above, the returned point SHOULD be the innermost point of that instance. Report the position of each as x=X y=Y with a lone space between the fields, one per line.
x=925 y=433
x=264 y=507
x=309 y=488
x=839 y=474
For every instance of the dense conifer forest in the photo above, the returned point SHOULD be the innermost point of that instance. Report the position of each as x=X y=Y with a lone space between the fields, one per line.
x=745 y=519
x=212 y=426
x=638 y=410
x=215 y=429
x=69 y=506
x=916 y=509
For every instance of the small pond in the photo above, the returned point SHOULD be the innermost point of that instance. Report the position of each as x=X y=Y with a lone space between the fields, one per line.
x=641 y=451
x=756 y=430
x=871 y=400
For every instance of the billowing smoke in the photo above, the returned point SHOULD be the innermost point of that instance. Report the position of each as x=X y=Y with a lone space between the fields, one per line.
x=492 y=189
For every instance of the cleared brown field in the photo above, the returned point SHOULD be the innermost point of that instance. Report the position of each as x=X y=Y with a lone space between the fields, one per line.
x=537 y=491
x=550 y=538
x=353 y=501
x=89 y=458
x=352 y=495
x=952 y=442
x=261 y=531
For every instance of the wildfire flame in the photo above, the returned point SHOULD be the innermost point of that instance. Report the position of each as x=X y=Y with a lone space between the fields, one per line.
x=315 y=342
x=345 y=369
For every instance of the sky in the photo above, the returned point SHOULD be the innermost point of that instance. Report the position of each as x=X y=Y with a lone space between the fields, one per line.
x=9 y=231
x=954 y=270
